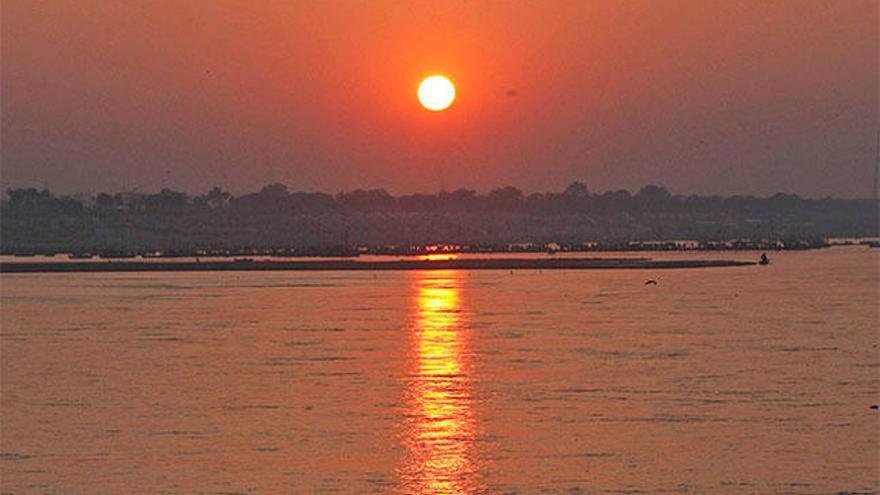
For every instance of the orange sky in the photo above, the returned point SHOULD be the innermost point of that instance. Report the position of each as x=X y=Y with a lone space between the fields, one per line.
x=701 y=96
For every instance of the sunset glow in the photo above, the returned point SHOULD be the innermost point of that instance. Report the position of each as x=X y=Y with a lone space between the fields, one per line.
x=439 y=248
x=436 y=93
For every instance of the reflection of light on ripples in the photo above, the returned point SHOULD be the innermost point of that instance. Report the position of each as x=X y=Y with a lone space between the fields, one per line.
x=439 y=429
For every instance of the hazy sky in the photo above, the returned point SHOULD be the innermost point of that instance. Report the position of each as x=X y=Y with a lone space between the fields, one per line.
x=704 y=96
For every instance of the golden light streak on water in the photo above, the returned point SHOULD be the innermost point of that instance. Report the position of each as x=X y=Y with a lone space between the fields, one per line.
x=439 y=428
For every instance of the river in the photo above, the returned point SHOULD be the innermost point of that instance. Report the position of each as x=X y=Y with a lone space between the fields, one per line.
x=757 y=379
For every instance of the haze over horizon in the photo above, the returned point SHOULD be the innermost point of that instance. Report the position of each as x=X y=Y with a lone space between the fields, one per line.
x=699 y=97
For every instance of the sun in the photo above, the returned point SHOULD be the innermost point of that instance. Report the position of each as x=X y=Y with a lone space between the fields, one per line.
x=436 y=93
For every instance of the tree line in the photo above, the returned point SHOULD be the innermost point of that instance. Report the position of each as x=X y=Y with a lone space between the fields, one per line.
x=276 y=219
x=276 y=199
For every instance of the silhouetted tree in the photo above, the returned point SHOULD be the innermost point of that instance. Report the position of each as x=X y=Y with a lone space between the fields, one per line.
x=653 y=197
x=166 y=201
x=273 y=198
x=104 y=201
x=507 y=198
x=28 y=199
x=217 y=198
x=576 y=189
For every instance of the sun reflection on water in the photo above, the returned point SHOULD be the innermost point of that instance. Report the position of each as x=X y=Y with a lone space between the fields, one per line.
x=439 y=424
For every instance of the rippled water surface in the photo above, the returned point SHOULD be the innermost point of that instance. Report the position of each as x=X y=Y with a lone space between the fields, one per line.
x=731 y=380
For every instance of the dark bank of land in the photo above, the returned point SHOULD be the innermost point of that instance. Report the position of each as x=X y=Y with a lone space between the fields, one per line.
x=276 y=221
x=352 y=265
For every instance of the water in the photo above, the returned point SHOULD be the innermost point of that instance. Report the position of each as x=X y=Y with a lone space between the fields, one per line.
x=731 y=380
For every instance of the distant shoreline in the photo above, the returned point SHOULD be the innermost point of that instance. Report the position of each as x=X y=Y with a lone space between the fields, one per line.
x=351 y=265
x=585 y=249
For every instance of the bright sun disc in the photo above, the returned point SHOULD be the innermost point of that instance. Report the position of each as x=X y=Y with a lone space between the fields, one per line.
x=436 y=93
